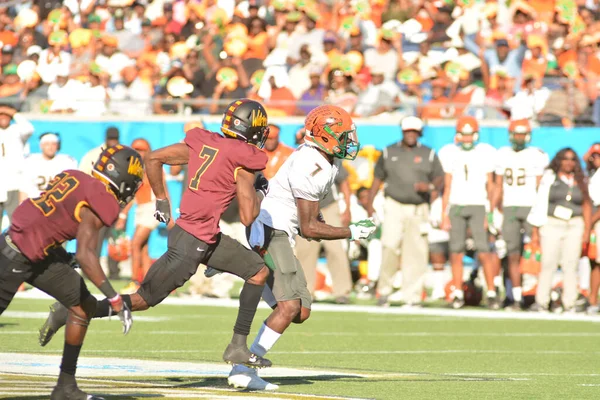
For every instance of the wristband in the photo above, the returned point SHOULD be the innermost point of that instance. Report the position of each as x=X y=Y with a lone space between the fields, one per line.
x=114 y=300
x=122 y=216
x=107 y=290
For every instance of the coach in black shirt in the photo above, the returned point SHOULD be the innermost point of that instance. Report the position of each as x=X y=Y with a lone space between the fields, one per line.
x=412 y=175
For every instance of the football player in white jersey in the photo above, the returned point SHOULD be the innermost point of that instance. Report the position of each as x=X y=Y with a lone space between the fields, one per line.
x=468 y=188
x=519 y=170
x=290 y=208
x=40 y=168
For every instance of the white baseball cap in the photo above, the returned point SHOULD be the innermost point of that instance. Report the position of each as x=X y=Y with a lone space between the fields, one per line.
x=412 y=124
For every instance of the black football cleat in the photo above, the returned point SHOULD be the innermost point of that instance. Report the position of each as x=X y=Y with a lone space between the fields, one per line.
x=71 y=392
x=56 y=320
x=493 y=303
x=236 y=354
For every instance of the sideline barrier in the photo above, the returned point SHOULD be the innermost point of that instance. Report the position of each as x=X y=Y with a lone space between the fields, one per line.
x=79 y=135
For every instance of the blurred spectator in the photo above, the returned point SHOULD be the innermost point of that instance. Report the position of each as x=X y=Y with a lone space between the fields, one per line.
x=12 y=156
x=529 y=101
x=500 y=56
x=64 y=92
x=299 y=73
x=276 y=151
x=258 y=45
x=131 y=96
x=438 y=106
x=380 y=96
x=55 y=58
x=11 y=87
x=131 y=44
x=111 y=59
x=94 y=95
x=468 y=98
x=281 y=100
x=312 y=36
x=315 y=94
x=564 y=105
x=561 y=219
x=386 y=55
x=340 y=92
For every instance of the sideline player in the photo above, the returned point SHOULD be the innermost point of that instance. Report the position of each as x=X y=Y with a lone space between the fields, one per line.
x=74 y=206
x=40 y=168
x=519 y=170
x=219 y=168
x=468 y=188
x=291 y=208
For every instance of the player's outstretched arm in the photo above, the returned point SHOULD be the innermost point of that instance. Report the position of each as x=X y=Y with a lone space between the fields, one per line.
x=87 y=239
x=312 y=228
x=175 y=154
x=249 y=197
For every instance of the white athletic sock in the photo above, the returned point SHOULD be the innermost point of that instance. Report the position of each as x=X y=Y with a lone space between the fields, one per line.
x=517 y=294
x=265 y=339
x=438 y=279
x=491 y=293
x=457 y=293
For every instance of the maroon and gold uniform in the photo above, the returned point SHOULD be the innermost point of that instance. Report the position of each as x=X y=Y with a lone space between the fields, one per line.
x=53 y=218
x=213 y=164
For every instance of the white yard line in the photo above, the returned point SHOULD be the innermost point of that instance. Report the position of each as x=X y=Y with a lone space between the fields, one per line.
x=415 y=311
x=353 y=334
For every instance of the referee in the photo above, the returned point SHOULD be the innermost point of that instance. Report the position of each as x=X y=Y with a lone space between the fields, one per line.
x=412 y=175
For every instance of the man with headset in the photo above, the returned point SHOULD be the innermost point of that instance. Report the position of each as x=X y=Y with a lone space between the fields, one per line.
x=412 y=176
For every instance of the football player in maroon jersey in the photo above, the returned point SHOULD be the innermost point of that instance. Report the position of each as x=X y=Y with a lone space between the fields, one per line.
x=74 y=206
x=220 y=168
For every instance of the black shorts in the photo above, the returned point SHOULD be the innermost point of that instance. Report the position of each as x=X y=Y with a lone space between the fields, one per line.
x=52 y=275
x=185 y=253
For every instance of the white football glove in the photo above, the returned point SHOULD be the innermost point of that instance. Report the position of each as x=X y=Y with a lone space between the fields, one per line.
x=362 y=229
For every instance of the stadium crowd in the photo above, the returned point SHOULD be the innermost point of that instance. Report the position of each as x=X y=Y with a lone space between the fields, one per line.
x=436 y=59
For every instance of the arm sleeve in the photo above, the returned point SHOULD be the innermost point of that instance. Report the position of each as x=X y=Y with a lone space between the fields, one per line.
x=379 y=171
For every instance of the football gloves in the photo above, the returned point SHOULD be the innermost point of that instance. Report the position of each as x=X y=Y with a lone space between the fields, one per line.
x=362 y=229
x=124 y=314
x=261 y=184
x=163 y=210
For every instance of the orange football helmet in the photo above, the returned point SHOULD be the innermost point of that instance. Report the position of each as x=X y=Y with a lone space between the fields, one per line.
x=467 y=126
x=520 y=127
x=331 y=129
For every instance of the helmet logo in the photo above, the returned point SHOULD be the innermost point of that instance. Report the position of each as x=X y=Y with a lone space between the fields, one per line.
x=258 y=118
x=135 y=167
x=236 y=122
x=110 y=167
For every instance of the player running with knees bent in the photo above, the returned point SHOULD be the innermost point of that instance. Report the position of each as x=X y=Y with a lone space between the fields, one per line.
x=74 y=206
x=291 y=207
x=220 y=168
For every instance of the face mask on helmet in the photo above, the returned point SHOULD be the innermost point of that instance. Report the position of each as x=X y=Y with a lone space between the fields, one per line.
x=348 y=145
x=467 y=145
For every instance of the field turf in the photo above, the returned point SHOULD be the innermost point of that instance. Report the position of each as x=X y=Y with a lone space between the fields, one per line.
x=360 y=355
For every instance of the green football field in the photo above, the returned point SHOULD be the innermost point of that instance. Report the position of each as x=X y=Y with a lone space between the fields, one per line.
x=335 y=354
